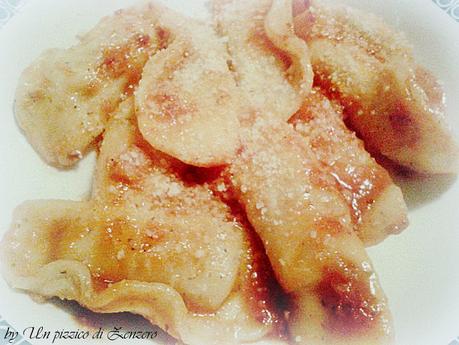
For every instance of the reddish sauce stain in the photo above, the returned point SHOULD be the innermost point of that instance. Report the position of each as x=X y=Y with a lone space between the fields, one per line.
x=259 y=38
x=300 y=6
x=404 y=126
x=143 y=41
x=116 y=61
x=101 y=283
x=330 y=226
x=386 y=125
x=57 y=237
x=98 y=142
x=267 y=300
x=348 y=303
x=133 y=79
x=190 y=175
x=127 y=173
x=157 y=158
x=118 y=175
x=145 y=146
x=109 y=269
x=164 y=37
x=265 y=297
x=121 y=236
x=319 y=179
x=60 y=239
x=261 y=290
x=360 y=184
x=91 y=89
x=170 y=106
x=107 y=108
x=193 y=176
x=127 y=60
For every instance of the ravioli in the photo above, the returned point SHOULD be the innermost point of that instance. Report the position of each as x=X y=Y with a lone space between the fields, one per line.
x=297 y=206
x=147 y=242
x=395 y=105
x=230 y=203
x=182 y=90
x=306 y=228
x=270 y=64
x=64 y=98
x=195 y=90
x=376 y=203
x=304 y=223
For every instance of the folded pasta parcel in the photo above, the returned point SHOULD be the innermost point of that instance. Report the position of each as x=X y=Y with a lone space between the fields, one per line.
x=269 y=63
x=231 y=203
x=65 y=97
x=148 y=243
x=299 y=214
x=377 y=205
x=186 y=101
x=265 y=70
x=306 y=229
x=396 y=105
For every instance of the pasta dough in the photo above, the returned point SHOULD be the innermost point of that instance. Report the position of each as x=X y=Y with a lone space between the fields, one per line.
x=65 y=97
x=396 y=105
x=149 y=243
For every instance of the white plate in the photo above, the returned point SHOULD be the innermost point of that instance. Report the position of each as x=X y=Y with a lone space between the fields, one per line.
x=419 y=269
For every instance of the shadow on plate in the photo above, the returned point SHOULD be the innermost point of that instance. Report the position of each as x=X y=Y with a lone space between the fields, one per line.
x=418 y=190
x=421 y=190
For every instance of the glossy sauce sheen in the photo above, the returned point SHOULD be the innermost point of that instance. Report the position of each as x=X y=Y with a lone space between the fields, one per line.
x=267 y=301
x=276 y=179
x=260 y=40
x=348 y=303
x=359 y=178
x=261 y=291
x=125 y=235
x=306 y=230
x=395 y=105
x=66 y=96
x=127 y=60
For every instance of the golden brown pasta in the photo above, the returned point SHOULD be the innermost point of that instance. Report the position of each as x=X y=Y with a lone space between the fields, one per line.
x=182 y=89
x=376 y=203
x=305 y=225
x=148 y=242
x=395 y=105
x=230 y=203
x=65 y=97
x=270 y=64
